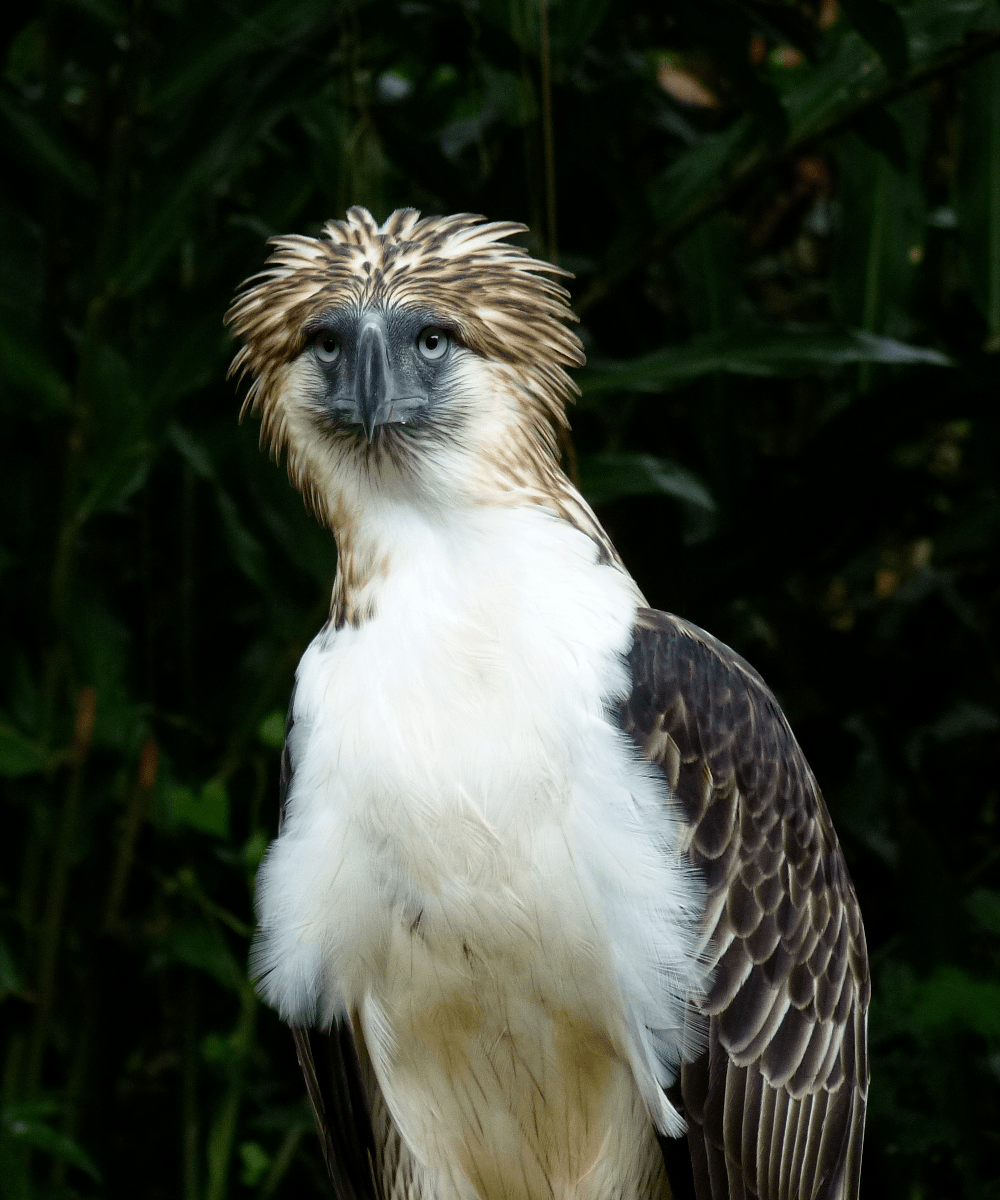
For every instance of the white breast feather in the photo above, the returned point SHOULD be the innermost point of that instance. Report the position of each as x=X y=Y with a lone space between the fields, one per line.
x=457 y=769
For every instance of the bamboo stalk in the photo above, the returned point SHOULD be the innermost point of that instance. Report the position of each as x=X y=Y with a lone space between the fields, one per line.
x=51 y=932
x=222 y=1136
x=132 y=820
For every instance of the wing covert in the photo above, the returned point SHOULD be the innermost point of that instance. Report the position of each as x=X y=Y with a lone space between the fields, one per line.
x=776 y=1103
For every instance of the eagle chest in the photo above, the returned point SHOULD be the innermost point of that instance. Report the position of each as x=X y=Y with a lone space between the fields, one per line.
x=459 y=877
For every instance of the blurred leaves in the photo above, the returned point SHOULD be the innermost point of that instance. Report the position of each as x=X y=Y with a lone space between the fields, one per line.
x=206 y=810
x=18 y=755
x=775 y=261
x=764 y=352
x=24 y=1126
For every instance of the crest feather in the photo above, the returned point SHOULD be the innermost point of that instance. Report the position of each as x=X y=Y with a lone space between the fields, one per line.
x=503 y=304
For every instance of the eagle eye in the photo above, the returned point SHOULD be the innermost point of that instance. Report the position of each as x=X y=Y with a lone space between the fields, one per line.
x=327 y=347
x=432 y=343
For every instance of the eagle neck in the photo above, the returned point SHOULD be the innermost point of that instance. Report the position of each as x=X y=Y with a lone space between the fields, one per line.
x=390 y=538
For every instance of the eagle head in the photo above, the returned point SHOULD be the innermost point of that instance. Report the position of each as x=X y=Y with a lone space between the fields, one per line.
x=427 y=351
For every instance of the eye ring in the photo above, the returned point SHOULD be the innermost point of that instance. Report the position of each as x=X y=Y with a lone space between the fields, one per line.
x=432 y=343
x=327 y=347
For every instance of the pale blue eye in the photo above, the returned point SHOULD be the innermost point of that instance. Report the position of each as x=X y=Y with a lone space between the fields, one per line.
x=327 y=347
x=432 y=343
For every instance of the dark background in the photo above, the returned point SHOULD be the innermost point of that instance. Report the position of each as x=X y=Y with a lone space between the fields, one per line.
x=784 y=221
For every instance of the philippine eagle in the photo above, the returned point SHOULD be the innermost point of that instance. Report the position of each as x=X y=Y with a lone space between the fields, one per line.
x=554 y=882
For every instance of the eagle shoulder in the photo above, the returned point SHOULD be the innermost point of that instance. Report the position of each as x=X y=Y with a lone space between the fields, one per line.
x=776 y=1102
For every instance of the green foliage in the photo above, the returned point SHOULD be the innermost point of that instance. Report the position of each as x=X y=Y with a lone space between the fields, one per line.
x=785 y=226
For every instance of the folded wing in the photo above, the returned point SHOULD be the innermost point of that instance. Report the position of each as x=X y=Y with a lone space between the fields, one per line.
x=776 y=1103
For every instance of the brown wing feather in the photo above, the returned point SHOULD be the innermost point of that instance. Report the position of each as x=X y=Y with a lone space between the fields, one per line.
x=776 y=1103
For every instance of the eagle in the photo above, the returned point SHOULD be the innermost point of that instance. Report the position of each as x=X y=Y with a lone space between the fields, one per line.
x=554 y=884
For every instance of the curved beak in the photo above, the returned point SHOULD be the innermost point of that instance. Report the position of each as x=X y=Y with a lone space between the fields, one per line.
x=373 y=380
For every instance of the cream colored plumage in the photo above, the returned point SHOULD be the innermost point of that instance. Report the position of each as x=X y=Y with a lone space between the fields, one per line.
x=491 y=883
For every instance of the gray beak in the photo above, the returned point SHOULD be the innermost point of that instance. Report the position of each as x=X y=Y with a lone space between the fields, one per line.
x=373 y=381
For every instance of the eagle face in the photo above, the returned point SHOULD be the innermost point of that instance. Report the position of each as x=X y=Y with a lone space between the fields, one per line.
x=425 y=354
x=378 y=367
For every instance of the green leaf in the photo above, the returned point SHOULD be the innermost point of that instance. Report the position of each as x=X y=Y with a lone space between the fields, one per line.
x=880 y=235
x=830 y=95
x=954 y=997
x=267 y=31
x=256 y=1161
x=22 y=1123
x=984 y=905
x=881 y=26
x=883 y=133
x=18 y=755
x=38 y=144
x=681 y=190
x=206 y=811
x=24 y=366
x=202 y=946
x=611 y=476
x=11 y=980
x=271 y=730
x=766 y=352
x=979 y=190
x=192 y=451
x=963 y=720
x=22 y=266
x=709 y=265
x=245 y=550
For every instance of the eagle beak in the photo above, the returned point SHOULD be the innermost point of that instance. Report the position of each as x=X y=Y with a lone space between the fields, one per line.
x=373 y=384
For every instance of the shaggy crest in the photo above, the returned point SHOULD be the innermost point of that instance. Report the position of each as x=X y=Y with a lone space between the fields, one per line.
x=499 y=300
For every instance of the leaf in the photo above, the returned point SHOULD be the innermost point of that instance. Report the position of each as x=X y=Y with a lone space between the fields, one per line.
x=963 y=720
x=979 y=191
x=767 y=352
x=827 y=96
x=22 y=1123
x=709 y=265
x=25 y=367
x=271 y=730
x=880 y=235
x=681 y=190
x=192 y=451
x=18 y=755
x=611 y=476
x=266 y=31
x=256 y=1161
x=984 y=905
x=11 y=979
x=22 y=266
x=245 y=550
x=47 y=151
x=954 y=997
x=882 y=28
x=883 y=133
x=200 y=945
x=207 y=811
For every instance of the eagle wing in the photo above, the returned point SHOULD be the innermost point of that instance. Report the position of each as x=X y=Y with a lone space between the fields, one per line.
x=776 y=1102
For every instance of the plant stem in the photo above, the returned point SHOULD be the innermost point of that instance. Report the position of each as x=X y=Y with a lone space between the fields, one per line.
x=83 y=728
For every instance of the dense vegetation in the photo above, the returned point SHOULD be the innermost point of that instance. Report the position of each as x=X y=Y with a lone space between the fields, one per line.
x=784 y=222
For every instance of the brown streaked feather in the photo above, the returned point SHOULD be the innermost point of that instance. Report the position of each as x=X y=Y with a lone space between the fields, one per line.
x=502 y=303
x=776 y=1103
